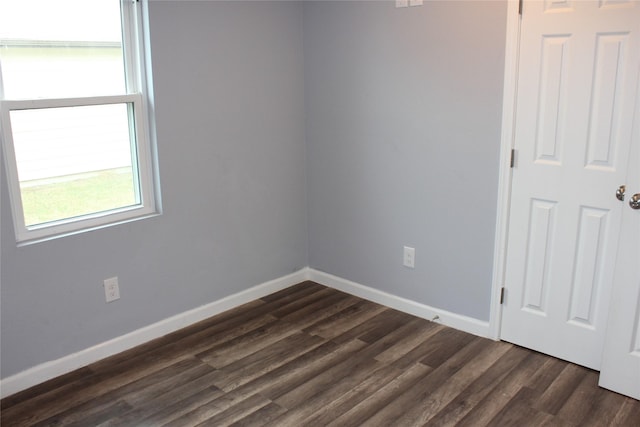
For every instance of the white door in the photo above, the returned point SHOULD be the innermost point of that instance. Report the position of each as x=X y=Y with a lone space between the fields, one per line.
x=621 y=356
x=579 y=63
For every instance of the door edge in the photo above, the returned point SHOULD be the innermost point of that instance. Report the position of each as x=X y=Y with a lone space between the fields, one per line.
x=512 y=46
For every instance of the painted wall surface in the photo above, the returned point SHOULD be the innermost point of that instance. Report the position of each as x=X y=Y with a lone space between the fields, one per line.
x=403 y=135
x=400 y=110
x=230 y=122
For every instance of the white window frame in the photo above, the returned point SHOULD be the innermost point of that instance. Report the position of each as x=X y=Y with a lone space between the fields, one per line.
x=138 y=88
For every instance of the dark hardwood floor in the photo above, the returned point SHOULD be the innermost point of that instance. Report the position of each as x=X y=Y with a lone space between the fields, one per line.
x=313 y=356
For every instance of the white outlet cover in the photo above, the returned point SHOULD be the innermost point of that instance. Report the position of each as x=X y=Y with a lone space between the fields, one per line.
x=111 y=289
x=402 y=3
x=409 y=257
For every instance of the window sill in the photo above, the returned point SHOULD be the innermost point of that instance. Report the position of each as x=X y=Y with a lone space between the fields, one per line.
x=50 y=237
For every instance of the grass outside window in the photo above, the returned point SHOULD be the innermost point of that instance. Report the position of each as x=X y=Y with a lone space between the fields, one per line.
x=71 y=196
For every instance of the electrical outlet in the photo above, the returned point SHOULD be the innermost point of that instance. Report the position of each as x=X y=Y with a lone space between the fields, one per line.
x=409 y=258
x=111 y=289
x=402 y=3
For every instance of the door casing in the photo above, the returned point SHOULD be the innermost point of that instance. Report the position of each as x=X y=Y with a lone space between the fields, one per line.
x=512 y=49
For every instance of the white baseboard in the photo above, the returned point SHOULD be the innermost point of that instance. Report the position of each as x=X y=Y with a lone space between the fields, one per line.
x=71 y=362
x=457 y=321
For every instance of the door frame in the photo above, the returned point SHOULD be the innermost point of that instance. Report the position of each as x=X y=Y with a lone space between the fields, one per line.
x=512 y=49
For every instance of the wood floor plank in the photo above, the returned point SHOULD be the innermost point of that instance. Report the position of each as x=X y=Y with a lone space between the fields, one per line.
x=244 y=345
x=78 y=392
x=319 y=298
x=628 y=414
x=298 y=374
x=313 y=356
x=345 y=369
x=114 y=372
x=316 y=312
x=261 y=416
x=338 y=406
x=605 y=408
x=555 y=396
x=382 y=397
x=498 y=398
x=177 y=410
x=304 y=401
x=518 y=412
x=294 y=293
x=402 y=327
x=345 y=319
x=210 y=332
x=180 y=395
x=581 y=399
x=215 y=406
x=444 y=344
x=225 y=353
x=132 y=394
x=384 y=338
x=426 y=347
x=400 y=409
x=94 y=418
x=466 y=400
x=265 y=360
x=235 y=412
x=220 y=404
x=381 y=320
x=368 y=387
x=45 y=387
x=435 y=401
x=542 y=379
x=394 y=321
x=159 y=382
x=199 y=332
x=410 y=341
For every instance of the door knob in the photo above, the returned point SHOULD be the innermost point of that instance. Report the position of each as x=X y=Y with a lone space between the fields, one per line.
x=635 y=201
x=620 y=192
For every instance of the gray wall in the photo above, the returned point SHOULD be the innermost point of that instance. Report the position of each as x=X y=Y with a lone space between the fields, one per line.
x=403 y=134
x=230 y=122
x=402 y=119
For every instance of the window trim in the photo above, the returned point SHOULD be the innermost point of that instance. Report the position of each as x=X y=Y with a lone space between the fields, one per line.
x=142 y=137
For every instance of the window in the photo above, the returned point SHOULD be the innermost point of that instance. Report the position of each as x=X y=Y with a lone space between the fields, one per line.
x=73 y=115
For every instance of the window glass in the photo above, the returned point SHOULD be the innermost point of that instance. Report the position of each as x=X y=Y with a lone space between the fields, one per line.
x=73 y=161
x=74 y=115
x=55 y=49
